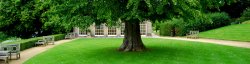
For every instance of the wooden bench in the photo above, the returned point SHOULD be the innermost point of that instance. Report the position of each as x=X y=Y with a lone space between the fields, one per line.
x=12 y=49
x=46 y=40
x=49 y=39
x=70 y=36
x=193 y=34
x=4 y=55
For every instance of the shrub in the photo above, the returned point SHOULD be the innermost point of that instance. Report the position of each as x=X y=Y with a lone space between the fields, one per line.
x=3 y=36
x=58 y=36
x=177 y=27
x=165 y=29
x=245 y=16
x=219 y=19
x=28 y=43
x=174 y=27
x=156 y=25
x=212 y=21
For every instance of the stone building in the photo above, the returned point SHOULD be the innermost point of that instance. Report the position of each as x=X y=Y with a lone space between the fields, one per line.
x=104 y=31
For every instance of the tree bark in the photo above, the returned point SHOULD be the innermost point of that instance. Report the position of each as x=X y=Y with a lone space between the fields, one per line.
x=132 y=37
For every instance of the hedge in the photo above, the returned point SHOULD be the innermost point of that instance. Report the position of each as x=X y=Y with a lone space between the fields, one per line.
x=28 y=43
x=58 y=36
x=179 y=27
x=174 y=27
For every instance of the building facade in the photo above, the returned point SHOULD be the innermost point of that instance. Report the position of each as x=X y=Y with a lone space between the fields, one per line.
x=105 y=31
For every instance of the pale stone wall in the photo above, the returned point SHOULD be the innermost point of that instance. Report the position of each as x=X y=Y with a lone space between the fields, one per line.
x=118 y=30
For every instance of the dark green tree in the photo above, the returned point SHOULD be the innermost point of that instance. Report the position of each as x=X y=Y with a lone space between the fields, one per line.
x=25 y=18
x=20 y=17
x=83 y=13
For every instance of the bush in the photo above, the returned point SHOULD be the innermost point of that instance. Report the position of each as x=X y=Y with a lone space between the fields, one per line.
x=212 y=21
x=58 y=36
x=245 y=16
x=218 y=20
x=28 y=43
x=177 y=27
x=165 y=29
x=3 y=36
x=174 y=27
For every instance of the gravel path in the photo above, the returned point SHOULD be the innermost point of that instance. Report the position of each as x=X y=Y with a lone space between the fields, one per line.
x=29 y=53
x=221 y=42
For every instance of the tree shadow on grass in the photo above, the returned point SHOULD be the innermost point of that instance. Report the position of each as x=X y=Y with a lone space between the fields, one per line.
x=152 y=55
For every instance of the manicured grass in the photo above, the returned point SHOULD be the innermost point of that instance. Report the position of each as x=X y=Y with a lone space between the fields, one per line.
x=240 y=32
x=160 y=51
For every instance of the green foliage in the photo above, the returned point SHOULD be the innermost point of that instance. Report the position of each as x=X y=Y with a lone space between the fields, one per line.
x=246 y=22
x=19 y=17
x=165 y=29
x=58 y=36
x=85 y=12
x=156 y=25
x=23 y=18
x=28 y=43
x=68 y=14
x=174 y=27
x=212 y=20
x=3 y=36
x=218 y=19
x=245 y=16
x=161 y=51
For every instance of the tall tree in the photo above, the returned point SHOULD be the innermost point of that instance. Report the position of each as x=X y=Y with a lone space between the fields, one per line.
x=20 y=18
x=235 y=9
x=131 y=12
x=25 y=18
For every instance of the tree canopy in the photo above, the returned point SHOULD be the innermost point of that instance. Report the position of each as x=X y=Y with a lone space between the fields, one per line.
x=81 y=12
x=29 y=16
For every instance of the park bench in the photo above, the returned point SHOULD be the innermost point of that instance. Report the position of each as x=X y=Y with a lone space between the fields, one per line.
x=70 y=36
x=49 y=39
x=45 y=41
x=13 y=49
x=4 y=55
x=193 y=34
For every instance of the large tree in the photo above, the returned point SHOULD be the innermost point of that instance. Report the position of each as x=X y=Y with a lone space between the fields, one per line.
x=20 y=18
x=85 y=12
x=26 y=18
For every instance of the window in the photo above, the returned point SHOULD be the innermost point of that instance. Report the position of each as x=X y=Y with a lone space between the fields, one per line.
x=83 y=31
x=111 y=31
x=99 y=30
x=122 y=29
x=143 y=28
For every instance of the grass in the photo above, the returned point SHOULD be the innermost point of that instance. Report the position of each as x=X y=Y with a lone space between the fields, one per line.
x=160 y=51
x=240 y=32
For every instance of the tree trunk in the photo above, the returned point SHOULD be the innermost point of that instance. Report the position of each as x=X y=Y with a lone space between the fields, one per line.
x=132 y=37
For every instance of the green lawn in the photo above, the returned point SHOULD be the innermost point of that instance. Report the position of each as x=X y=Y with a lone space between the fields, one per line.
x=240 y=32
x=160 y=51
